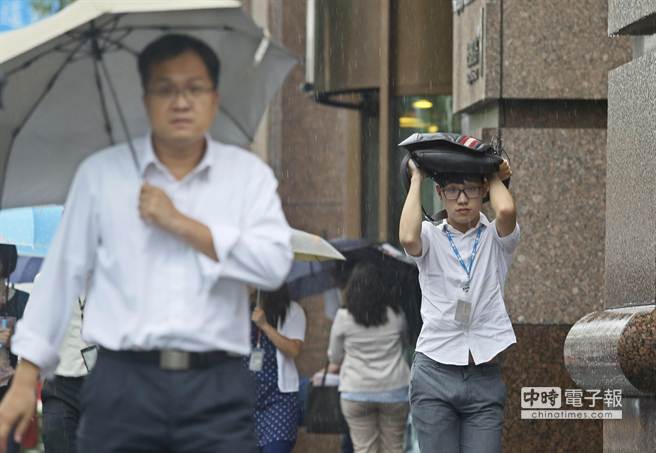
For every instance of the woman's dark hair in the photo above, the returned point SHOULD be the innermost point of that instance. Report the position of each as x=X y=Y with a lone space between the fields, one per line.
x=366 y=297
x=275 y=305
x=8 y=259
x=170 y=46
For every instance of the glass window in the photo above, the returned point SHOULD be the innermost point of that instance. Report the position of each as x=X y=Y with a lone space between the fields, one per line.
x=411 y=114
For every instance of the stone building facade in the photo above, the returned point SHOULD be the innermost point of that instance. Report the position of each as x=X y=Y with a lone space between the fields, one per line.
x=535 y=74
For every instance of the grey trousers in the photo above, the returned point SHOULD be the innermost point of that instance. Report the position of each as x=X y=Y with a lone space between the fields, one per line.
x=130 y=407
x=456 y=409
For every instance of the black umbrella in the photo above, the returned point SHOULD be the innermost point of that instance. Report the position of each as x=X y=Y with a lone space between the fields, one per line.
x=308 y=278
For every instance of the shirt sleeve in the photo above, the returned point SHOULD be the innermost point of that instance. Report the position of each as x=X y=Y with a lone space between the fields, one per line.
x=258 y=252
x=62 y=278
x=425 y=241
x=508 y=243
x=336 y=342
x=294 y=326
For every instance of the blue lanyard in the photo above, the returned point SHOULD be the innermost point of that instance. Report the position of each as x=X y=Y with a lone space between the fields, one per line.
x=467 y=269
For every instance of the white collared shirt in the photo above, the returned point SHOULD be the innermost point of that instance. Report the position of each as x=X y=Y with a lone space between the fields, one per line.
x=441 y=278
x=294 y=329
x=148 y=288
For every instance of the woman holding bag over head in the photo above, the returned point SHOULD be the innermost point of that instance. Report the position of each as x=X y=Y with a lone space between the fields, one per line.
x=366 y=342
x=272 y=364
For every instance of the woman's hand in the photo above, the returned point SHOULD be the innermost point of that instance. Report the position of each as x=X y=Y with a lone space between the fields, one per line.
x=289 y=347
x=259 y=318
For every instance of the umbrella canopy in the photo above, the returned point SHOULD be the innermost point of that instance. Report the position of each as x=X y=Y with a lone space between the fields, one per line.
x=30 y=229
x=314 y=269
x=308 y=278
x=69 y=84
x=310 y=247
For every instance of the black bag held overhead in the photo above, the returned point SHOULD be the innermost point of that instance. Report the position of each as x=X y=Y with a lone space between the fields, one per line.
x=442 y=153
x=449 y=153
x=323 y=414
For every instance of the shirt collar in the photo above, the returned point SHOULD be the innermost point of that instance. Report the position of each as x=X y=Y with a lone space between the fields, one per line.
x=483 y=220
x=147 y=157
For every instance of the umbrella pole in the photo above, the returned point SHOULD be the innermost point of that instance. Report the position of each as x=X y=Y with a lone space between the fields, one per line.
x=103 y=103
x=99 y=58
x=3 y=81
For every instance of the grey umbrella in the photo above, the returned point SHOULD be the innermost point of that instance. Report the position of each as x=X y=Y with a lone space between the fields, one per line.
x=70 y=86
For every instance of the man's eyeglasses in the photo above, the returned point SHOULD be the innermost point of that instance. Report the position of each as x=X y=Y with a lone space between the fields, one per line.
x=452 y=193
x=171 y=92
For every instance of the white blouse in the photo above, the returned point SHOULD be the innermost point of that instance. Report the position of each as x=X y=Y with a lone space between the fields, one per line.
x=294 y=329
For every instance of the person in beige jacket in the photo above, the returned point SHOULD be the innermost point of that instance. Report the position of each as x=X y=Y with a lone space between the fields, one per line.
x=366 y=342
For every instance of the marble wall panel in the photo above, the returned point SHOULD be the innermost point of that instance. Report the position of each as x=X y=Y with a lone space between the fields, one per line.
x=558 y=184
x=630 y=185
x=537 y=361
x=481 y=21
x=631 y=17
x=535 y=50
x=558 y=49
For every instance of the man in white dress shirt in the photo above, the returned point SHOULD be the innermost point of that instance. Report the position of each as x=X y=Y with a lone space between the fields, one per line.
x=457 y=394
x=169 y=244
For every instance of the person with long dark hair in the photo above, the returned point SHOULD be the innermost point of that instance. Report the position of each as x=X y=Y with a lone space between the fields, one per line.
x=366 y=346
x=277 y=336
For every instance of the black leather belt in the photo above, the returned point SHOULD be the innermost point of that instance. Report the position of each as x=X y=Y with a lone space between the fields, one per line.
x=171 y=359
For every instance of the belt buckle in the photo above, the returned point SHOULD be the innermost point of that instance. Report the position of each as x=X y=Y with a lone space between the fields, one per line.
x=174 y=360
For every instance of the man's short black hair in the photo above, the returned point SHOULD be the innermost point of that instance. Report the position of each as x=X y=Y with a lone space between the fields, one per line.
x=8 y=259
x=170 y=46
x=444 y=179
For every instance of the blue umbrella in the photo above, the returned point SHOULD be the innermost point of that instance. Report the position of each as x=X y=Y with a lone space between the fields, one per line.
x=30 y=229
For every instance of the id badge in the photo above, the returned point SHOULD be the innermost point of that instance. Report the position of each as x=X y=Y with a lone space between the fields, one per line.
x=89 y=355
x=257 y=360
x=463 y=307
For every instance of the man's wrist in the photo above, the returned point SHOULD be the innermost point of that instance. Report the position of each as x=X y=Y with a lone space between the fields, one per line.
x=27 y=374
x=177 y=224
